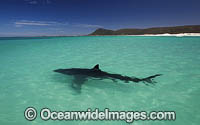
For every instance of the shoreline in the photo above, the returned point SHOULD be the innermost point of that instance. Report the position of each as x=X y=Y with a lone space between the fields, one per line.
x=165 y=34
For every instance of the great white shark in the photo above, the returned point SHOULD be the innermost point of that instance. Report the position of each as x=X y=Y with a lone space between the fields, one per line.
x=82 y=74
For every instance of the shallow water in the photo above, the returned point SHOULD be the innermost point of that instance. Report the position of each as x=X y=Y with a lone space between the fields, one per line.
x=27 y=77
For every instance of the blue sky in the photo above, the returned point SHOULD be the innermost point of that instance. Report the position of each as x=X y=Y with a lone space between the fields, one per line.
x=80 y=17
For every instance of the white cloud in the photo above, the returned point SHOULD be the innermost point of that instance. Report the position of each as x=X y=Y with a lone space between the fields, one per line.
x=38 y=1
x=34 y=23
x=88 y=26
x=33 y=2
x=38 y=23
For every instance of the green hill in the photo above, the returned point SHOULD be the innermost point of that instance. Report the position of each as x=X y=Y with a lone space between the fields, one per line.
x=154 y=30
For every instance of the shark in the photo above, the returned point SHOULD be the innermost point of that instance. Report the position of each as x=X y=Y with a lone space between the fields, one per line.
x=81 y=75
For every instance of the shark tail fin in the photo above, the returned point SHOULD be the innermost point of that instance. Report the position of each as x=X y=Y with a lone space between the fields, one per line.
x=150 y=78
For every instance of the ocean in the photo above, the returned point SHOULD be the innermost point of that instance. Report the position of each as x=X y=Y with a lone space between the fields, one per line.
x=27 y=78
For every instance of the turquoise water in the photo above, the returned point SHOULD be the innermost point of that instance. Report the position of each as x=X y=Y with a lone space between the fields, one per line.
x=27 y=77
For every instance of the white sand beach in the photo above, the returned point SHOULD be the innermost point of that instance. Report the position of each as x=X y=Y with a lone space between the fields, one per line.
x=167 y=34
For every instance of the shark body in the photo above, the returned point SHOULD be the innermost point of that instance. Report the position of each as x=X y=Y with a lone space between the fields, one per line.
x=81 y=75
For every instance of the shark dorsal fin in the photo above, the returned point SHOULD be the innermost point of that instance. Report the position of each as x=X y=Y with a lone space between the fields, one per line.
x=96 y=67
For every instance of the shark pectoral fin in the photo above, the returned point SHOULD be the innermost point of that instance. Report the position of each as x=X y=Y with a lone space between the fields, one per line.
x=78 y=82
x=80 y=79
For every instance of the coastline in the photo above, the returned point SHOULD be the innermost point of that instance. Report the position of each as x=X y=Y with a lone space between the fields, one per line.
x=167 y=34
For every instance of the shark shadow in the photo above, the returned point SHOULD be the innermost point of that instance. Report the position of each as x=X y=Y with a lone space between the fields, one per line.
x=81 y=75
